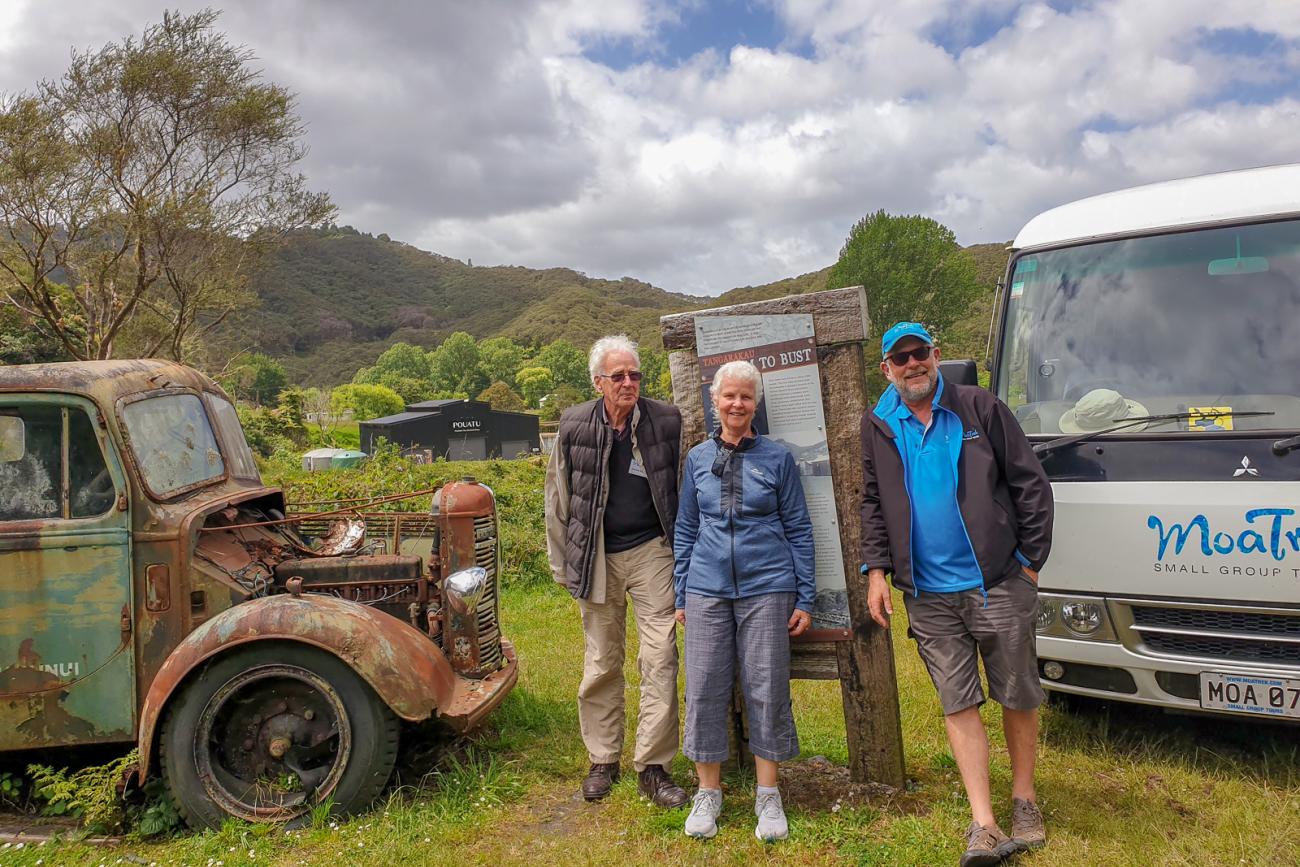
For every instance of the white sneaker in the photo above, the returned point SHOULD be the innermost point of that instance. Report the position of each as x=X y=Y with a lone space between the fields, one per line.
x=706 y=806
x=771 y=817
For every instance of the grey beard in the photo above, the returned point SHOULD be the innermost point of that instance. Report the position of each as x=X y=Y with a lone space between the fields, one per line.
x=917 y=394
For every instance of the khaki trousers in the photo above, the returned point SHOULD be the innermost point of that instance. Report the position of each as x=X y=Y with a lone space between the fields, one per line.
x=644 y=574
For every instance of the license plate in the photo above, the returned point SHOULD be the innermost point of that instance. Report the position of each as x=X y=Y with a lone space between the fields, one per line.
x=1243 y=693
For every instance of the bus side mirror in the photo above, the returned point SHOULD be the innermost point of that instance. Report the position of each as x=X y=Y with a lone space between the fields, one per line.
x=962 y=372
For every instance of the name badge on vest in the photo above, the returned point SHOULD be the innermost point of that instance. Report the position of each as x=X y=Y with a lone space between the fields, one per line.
x=635 y=468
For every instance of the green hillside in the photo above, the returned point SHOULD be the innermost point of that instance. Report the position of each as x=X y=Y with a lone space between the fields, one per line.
x=333 y=299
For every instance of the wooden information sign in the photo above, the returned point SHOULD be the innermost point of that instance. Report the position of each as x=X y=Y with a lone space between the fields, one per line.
x=861 y=657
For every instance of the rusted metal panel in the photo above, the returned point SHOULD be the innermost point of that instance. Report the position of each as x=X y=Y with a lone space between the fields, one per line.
x=401 y=664
x=70 y=670
x=475 y=699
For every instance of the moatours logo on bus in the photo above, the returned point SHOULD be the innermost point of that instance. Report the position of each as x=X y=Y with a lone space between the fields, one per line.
x=1273 y=533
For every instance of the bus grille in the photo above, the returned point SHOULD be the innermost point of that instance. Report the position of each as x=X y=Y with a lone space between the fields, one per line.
x=1219 y=634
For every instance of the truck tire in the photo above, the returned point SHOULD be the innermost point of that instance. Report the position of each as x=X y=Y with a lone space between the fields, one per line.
x=269 y=732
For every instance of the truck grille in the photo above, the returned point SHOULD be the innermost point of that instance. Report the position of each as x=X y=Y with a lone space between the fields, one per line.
x=489 y=625
x=1219 y=633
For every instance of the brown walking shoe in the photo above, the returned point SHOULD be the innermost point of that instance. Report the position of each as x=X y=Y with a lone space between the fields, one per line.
x=656 y=785
x=599 y=781
x=986 y=846
x=1027 y=827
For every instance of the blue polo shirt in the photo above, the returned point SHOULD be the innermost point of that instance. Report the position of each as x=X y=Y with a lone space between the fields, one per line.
x=943 y=559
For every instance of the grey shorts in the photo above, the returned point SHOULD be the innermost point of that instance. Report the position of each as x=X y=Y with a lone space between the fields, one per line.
x=952 y=629
x=749 y=638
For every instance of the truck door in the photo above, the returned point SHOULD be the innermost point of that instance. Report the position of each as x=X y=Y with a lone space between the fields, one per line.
x=67 y=667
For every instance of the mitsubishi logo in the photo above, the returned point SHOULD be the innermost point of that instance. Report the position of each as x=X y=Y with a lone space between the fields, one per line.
x=1245 y=469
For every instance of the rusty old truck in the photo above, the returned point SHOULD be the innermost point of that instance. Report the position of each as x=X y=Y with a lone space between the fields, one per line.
x=154 y=593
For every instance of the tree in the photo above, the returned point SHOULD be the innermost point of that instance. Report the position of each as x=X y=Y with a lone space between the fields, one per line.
x=502 y=397
x=140 y=190
x=912 y=269
x=535 y=383
x=405 y=369
x=655 y=379
x=256 y=377
x=456 y=364
x=366 y=401
x=566 y=363
x=559 y=400
x=498 y=359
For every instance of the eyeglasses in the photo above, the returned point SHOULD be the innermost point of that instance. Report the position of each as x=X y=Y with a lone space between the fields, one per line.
x=634 y=375
x=920 y=353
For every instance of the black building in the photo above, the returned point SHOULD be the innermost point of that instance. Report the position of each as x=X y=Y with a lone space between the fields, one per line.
x=458 y=430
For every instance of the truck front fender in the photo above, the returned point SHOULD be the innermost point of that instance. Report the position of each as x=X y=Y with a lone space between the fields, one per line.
x=402 y=665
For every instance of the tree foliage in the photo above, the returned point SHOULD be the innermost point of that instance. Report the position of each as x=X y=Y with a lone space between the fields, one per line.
x=403 y=368
x=535 y=383
x=366 y=401
x=255 y=377
x=502 y=397
x=567 y=364
x=912 y=269
x=499 y=359
x=139 y=191
x=455 y=365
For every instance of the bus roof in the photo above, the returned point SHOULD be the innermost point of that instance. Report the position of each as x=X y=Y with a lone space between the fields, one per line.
x=1246 y=194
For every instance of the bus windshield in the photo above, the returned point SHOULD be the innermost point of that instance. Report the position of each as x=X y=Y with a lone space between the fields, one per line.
x=1204 y=322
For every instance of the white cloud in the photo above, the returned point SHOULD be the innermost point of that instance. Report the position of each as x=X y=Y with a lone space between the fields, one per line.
x=483 y=131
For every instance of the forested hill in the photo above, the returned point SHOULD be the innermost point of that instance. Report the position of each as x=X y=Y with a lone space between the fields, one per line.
x=333 y=299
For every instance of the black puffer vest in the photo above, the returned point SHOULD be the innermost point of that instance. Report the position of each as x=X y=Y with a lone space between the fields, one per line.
x=587 y=442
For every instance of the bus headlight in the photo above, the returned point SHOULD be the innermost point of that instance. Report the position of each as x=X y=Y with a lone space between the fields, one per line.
x=1082 y=618
x=1046 y=614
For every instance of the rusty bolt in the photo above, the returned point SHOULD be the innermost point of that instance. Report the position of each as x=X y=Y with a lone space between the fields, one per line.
x=248 y=744
x=294 y=585
x=279 y=746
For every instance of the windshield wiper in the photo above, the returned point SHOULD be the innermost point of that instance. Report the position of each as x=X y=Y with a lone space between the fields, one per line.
x=1045 y=449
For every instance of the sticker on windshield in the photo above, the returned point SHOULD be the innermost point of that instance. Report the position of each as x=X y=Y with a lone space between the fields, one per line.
x=1208 y=418
x=1026 y=266
x=1017 y=288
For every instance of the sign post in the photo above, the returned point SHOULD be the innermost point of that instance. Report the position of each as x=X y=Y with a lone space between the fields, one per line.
x=776 y=336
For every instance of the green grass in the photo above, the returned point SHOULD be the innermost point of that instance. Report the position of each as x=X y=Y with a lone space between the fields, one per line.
x=1119 y=786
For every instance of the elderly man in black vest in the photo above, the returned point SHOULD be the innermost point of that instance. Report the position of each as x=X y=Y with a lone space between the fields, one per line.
x=611 y=499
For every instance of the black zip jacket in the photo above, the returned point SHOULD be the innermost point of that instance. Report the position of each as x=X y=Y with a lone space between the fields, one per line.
x=1002 y=492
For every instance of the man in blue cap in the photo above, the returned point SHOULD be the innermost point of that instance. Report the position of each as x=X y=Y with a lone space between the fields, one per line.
x=957 y=508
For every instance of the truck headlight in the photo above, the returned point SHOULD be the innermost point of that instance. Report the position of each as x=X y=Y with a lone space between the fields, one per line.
x=1046 y=614
x=1082 y=618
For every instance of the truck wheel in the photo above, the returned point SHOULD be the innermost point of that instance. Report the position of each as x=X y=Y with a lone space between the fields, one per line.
x=269 y=732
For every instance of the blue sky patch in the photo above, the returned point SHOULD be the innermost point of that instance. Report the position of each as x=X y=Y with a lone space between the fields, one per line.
x=718 y=24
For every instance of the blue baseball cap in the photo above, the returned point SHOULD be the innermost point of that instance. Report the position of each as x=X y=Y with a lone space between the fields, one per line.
x=901 y=330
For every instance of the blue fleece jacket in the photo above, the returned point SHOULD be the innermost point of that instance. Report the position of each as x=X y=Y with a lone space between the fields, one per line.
x=746 y=532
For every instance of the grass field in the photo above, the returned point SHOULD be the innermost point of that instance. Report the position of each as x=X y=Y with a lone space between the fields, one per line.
x=1119 y=786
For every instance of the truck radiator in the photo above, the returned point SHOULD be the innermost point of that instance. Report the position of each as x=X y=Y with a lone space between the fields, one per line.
x=489 y=618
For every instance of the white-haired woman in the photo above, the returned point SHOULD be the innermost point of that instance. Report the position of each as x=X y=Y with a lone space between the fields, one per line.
x=744 y=582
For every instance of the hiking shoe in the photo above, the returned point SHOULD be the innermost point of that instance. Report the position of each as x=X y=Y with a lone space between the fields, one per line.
x=986 y=846
x=1027 y=828
x=599 y=781
x=771 y=817
x=656 y=785
x=706 y=806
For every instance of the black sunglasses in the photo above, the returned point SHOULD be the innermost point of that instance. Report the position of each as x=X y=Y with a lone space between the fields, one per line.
x=921 y=353
x=634 y=375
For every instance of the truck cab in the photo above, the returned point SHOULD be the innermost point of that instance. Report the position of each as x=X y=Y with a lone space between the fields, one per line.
x=154 y=593
x=1148 y=342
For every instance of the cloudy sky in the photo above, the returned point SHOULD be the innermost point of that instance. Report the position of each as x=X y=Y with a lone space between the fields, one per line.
x=706 y=145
